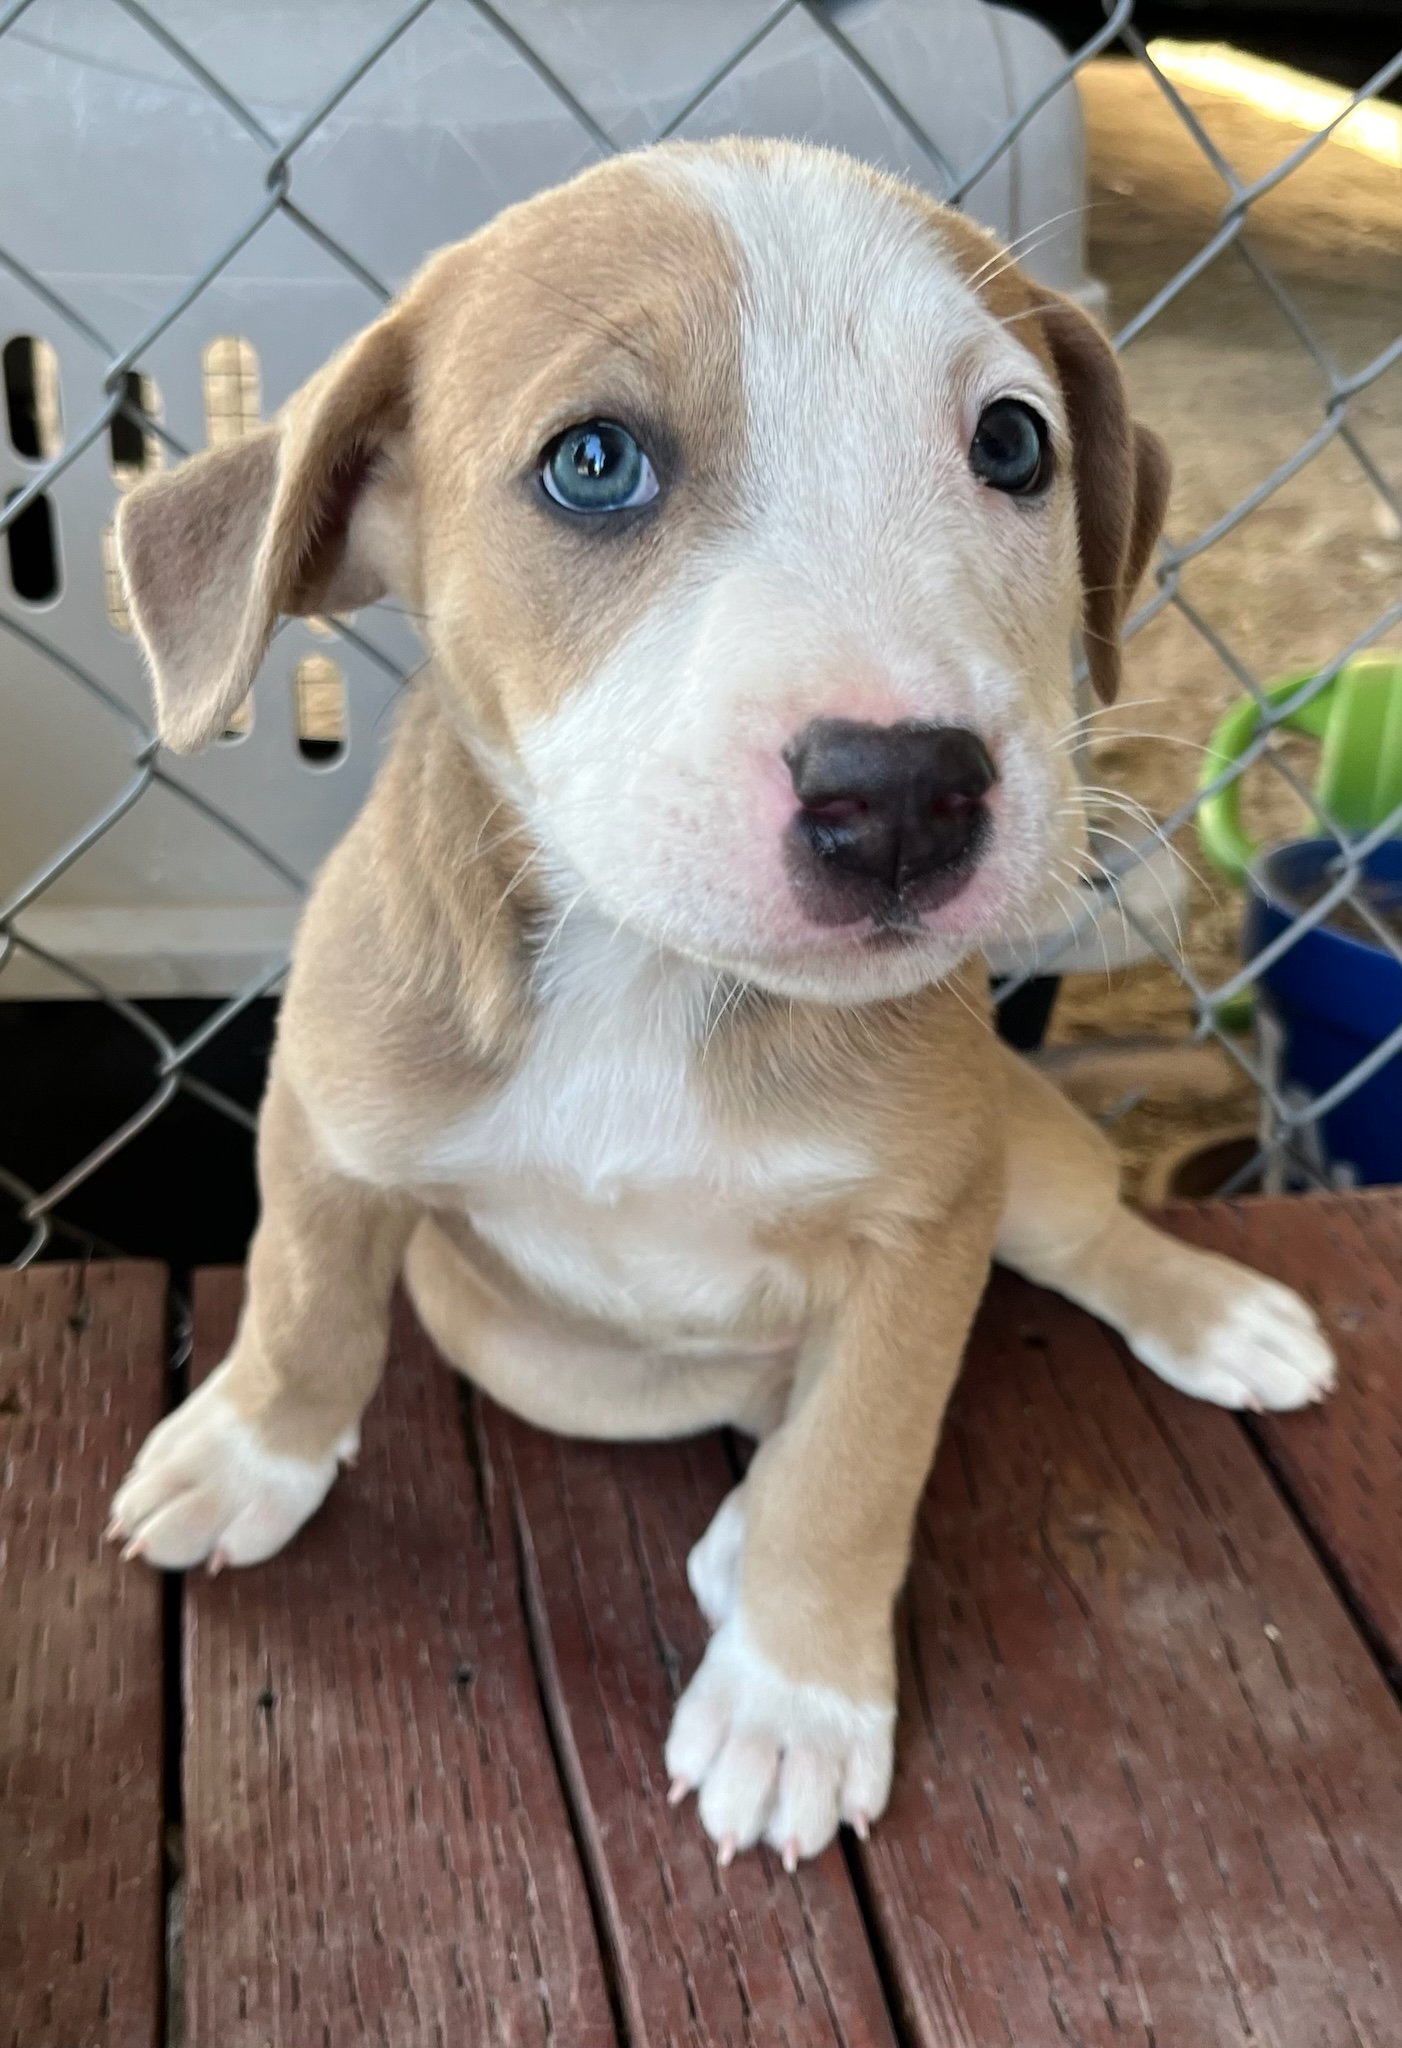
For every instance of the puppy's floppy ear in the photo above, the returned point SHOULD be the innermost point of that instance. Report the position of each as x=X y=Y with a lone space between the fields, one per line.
x=1122 y=475
x=308 y=514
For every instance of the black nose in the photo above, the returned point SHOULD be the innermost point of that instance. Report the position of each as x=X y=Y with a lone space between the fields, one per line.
x=896 y=809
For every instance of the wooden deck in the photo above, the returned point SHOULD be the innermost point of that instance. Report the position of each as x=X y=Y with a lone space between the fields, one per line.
x=404 y=1784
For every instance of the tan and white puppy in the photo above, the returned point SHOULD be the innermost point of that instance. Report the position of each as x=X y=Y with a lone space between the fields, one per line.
x=750 y=502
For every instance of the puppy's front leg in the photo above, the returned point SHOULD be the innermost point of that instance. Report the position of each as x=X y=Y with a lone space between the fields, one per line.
x=1206 y=1325
x=788 y=1726
x=241 y=1464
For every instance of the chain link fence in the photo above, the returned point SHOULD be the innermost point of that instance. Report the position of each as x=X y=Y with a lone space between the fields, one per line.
x=120 y=411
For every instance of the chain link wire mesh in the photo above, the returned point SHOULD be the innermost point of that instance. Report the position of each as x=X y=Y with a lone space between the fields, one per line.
x=1288 y=1124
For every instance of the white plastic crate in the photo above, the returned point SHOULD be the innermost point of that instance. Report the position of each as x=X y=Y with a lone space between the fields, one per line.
x=125 y=178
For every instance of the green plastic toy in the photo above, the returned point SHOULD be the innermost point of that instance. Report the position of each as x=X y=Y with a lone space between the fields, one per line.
x=1357 y=718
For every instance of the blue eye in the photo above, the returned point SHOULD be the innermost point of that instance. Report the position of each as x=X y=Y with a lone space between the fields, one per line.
x=597 y=467
x=1010 y=448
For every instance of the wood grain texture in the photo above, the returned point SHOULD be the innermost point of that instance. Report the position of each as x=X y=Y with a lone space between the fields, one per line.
x=1341 y=1463
x=744 y=1958
x=82 y=1378
x=1150 y=1781
x=376 y=1845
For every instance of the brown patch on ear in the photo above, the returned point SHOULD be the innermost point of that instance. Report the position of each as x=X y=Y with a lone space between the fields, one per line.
x=283 y=522
x=1122 y=475
x=1122 y=470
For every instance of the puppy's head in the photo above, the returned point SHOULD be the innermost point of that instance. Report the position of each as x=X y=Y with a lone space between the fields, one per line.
x=752 y=503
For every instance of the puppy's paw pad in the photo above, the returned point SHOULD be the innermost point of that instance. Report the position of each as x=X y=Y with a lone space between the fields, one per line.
x=1263 y=1349
x=774 y=1759
x=205 y=1487
x=713 y=1568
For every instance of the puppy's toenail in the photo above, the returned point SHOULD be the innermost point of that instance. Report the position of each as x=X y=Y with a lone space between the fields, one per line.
x=791 y=1857
x=725 y=1854
x=217 y=1561
x=136 y=1548
x=861 y=1827
x=678 y=1790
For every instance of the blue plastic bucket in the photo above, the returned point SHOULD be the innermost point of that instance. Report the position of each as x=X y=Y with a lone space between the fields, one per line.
x=1335 y=997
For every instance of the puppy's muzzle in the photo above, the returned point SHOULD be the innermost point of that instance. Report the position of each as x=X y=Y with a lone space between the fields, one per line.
x=891 y=820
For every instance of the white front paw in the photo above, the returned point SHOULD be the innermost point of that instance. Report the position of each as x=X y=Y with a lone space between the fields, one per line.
x=774 y=1758
x=205 y=1485
x=1262 y=1347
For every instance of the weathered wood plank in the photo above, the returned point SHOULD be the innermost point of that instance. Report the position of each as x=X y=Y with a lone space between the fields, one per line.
x=376 y=1843
x=82 y=1378
x=1150 y=1787
x=1341 y=1463
x=705 y=1958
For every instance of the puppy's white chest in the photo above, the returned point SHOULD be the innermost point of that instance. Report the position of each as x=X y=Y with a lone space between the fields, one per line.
x=599 y=1172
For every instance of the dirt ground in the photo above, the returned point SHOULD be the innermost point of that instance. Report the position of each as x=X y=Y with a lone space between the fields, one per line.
x=1224 y=379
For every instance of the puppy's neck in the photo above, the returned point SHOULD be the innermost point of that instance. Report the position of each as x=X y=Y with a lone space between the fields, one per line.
x=608 y=973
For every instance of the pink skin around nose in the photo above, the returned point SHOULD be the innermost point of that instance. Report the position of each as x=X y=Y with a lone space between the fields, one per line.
x=774 y=797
